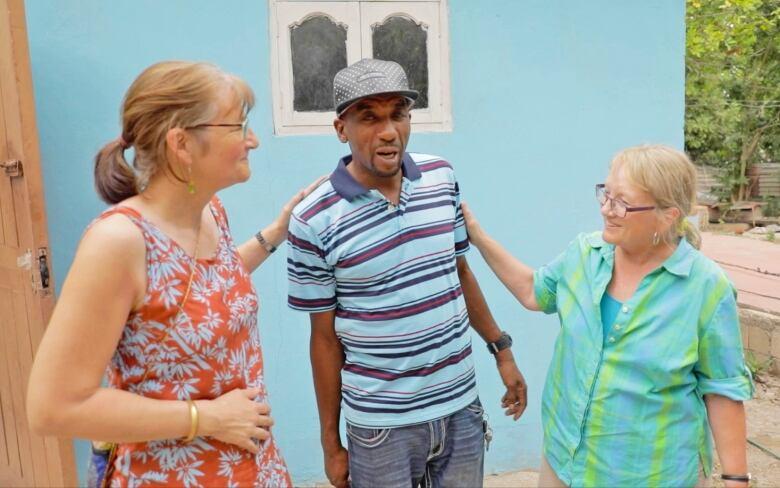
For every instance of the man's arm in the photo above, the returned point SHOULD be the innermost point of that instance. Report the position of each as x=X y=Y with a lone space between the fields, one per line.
x=327 y=359
x=516 y=397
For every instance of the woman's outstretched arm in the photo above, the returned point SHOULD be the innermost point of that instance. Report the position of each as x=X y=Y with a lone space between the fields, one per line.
x=516 y=276
x=252 y=252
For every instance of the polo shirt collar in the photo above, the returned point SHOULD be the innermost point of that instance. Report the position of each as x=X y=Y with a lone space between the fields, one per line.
x=346 y=186
x=678 y=264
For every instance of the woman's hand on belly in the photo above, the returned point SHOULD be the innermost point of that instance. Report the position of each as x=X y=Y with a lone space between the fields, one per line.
x=236 y=418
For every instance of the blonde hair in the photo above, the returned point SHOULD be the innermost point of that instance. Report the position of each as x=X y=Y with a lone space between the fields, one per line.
x=164 y=96
x=669 y=176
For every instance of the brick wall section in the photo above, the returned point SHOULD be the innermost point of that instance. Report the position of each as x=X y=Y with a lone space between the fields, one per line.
x=761 y=336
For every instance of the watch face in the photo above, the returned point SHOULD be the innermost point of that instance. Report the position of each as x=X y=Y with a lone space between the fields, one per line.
x=502 y=343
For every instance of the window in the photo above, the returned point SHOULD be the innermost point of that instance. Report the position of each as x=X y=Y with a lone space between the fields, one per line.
x=312 y=40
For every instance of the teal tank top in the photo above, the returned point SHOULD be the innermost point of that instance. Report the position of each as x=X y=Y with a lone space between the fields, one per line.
x=609 y=310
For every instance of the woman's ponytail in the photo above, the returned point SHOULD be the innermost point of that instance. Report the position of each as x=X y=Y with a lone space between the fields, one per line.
x=115 y=180
x=690 y=233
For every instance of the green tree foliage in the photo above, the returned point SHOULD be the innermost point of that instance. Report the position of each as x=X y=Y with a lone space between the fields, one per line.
x=732 y=87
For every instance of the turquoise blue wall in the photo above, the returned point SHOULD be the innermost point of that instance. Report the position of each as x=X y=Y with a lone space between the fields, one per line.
x=543 y=93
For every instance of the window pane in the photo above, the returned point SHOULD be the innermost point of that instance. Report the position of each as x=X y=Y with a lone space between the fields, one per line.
x=319 y=51
x=402 y=40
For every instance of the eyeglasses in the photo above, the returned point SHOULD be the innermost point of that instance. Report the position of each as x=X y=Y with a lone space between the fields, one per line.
x=618 y=207
x=244 y=125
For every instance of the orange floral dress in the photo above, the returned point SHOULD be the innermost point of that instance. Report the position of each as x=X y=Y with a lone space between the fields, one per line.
x=210 y=347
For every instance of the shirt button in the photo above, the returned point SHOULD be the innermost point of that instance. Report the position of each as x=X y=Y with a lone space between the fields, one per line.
x=618 y=326
x=625 y=309
x=611 y=339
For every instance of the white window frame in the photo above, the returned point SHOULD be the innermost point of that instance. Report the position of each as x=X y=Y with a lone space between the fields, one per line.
x=359 y=16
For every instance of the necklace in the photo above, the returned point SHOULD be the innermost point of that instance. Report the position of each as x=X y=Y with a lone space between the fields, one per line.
x=111 y=448
x=193 y=266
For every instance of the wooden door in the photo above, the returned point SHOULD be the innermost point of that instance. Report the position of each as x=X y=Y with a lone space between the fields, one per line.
x=26 y=297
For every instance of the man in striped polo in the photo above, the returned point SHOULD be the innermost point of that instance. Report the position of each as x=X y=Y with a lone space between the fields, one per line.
x=377 y=257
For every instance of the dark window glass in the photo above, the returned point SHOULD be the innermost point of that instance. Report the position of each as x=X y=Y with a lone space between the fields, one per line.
x=404 y=41
x=319 y=51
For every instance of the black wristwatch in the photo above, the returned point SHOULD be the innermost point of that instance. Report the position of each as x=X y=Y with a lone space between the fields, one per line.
x=503 y=342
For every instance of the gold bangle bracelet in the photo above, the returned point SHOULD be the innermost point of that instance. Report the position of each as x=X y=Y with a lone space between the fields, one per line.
x=193 y=421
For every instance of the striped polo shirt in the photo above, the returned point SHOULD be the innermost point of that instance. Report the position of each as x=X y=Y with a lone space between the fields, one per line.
x=389 y=271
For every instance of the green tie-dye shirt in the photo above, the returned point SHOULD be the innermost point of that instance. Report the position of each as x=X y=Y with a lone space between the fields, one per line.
x=627 y=410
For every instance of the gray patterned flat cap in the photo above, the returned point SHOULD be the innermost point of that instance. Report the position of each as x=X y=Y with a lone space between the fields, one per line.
x=366 y=78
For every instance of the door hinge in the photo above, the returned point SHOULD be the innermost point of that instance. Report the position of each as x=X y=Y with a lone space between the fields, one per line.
x=43 y=283
x=12 y=167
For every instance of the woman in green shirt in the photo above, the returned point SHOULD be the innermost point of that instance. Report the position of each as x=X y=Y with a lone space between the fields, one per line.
x=649 y=358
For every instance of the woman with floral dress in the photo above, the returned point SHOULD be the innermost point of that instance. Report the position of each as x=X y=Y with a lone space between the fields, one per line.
x=160 y=294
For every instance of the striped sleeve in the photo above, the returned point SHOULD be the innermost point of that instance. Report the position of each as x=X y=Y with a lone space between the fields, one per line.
x=721 y=368
x=461 y=237
x=312 y=283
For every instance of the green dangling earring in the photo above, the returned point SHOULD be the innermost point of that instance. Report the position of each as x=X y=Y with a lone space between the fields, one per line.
x=190 y=182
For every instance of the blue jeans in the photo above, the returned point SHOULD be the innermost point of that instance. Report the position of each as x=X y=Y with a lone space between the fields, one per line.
x=446 y=452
